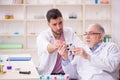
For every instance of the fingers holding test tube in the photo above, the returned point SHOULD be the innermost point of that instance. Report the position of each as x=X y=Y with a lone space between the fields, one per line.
x=80 y=52
x=62 y=50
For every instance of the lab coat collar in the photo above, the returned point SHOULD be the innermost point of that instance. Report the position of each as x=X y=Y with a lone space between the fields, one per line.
x=101 y=45
x=96 y=46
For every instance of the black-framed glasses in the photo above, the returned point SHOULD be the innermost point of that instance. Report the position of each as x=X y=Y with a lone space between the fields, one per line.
x=90 y=33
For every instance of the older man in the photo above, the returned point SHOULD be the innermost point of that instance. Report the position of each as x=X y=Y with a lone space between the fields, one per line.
x=97 y=60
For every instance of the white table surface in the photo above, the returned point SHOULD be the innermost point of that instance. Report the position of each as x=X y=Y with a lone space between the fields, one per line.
x=17 y=66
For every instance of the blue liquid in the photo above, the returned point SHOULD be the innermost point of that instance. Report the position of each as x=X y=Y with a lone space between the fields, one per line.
x=96 y=1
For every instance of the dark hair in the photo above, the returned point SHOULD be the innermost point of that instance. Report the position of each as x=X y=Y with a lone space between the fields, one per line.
x=53 y=14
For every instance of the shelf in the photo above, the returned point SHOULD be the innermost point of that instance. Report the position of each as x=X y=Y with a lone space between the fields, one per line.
x=102 y=20
x=12 y=20
x=40 y=20
x=12 y=5
x=16 y=51
x=30 y=19
x=68 y=2
x=36 y=20
x=32 y=35
x=36 y=5
x=12 y=35
x=98 y=5
x=64 y=4
x=73 y=20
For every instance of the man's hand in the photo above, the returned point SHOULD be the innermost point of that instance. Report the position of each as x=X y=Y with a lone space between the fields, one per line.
x=60 y=46
x=80 y=52
x=62 y=50
x=53 y=47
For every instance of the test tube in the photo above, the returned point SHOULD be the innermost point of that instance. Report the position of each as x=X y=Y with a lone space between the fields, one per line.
x=69 y=48
x=1 y=66
x=9 y=67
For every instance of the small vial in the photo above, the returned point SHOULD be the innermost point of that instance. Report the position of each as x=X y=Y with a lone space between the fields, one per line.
x=67 y=77
x=9 y=67
x=2 y=67
x=54 y=77
x=96 y=1
x=40 y=77
x=47 y=77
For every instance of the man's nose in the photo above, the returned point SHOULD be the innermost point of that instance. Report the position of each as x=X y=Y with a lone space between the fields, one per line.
x=87 y=36
x=58 y=26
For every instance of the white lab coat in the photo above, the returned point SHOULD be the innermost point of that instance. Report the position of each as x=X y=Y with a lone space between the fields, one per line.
x=47 y=61
x=102 y=65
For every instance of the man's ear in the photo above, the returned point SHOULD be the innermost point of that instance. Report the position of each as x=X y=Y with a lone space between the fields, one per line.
x=102 y=36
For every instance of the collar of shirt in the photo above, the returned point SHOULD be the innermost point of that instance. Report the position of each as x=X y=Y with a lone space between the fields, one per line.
x=62 y=37
x=95 y=47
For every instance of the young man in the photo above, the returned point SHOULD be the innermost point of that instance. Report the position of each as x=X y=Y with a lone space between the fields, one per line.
x=99 y=62
x=53 y=41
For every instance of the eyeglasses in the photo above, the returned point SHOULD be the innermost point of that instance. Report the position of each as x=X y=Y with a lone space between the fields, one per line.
x=91 y=33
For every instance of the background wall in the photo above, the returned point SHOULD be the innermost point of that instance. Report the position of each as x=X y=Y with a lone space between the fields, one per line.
x=116 y=21
x=115 y=24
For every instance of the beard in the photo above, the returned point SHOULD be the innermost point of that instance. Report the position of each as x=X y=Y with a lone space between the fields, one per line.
x=58 y=32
